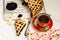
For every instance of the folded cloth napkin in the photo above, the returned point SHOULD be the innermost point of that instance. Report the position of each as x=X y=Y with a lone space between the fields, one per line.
x=49 y=35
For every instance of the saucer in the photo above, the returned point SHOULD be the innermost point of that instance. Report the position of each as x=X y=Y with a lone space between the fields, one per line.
x=38 y=28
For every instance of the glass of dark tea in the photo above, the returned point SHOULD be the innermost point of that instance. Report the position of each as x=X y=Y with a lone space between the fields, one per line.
x=43 y=19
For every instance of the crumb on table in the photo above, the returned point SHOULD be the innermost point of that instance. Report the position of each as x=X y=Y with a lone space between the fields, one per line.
x=10 y=16
x=8 y=23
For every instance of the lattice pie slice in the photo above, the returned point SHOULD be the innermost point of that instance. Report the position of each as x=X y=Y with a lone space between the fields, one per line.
x=35 y=6
x=19 y=25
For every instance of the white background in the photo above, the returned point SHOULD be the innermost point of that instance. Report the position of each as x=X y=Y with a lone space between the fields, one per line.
x=7 y=33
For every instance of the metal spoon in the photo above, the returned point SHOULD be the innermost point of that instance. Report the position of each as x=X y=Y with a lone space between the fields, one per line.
x=27 y=30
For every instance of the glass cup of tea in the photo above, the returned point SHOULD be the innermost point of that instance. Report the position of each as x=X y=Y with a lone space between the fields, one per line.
x=43 y=19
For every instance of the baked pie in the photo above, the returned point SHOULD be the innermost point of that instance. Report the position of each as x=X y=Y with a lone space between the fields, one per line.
x=19 y=25
x=34 y=5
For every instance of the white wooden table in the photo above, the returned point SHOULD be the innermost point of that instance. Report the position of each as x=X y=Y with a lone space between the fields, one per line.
x=8 y=33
